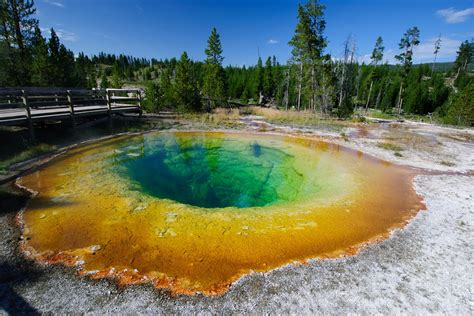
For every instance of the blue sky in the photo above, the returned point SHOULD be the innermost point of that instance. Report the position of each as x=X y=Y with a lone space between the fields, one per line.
x=165 y=28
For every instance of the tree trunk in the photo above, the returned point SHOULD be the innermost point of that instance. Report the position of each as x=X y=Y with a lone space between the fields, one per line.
x=286 y=96
x=433 y=67
x=16 y=23
x=300 y=79
x=399 y=104
x=457 y=74
x=368 y=98
x=313 y=88
x=324 y=95
x=379 y=95
x=341 y=91
x=6 y=33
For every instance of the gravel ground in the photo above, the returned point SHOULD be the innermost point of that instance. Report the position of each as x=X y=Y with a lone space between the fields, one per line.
x=427 y=267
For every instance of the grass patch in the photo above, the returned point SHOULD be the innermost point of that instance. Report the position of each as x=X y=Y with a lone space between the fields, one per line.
x=447 y=163
x=381 y=115
x=297 y=118
x=462 y=137
x=407 y=138
x=29 y=153
x=220 y=117
x=390 y=146
x=344 y=136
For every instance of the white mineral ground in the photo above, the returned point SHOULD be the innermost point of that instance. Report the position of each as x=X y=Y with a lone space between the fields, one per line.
x=427 y=267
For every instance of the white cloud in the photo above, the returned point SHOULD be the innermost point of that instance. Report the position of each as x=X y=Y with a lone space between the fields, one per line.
x=452 y=16
x=62 y=34
x=462 y=35
x=67 y=36
x=425 y=51
x=55 y=3
x=272 y=41
x=364 y=59
x=389 y=56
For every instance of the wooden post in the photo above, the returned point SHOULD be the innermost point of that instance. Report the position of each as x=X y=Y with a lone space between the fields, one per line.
x=71 y=108
x=109 y=102
x=139 y=96
x=109 y=106
x=28 y=114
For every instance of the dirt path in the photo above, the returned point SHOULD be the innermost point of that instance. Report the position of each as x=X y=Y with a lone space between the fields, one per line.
x=428 y=267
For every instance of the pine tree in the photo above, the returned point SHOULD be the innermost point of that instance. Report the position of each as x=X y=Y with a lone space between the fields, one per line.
x=40 y=58
x=67 y=66
x=437 y=47
x=5 y=60
x=152 y=101
x=17 y=30
x=346 y=78
x=268 y=84
x=298 y=42
x=185 y=89
x=376 y=57
x=408 y=42
x=258 y=80
x=84 y=72
x=461 y=107
x=308 y=45
x=166 y=87
x=377 y=53
x=55 y=74
x=410 y=39
x=116 y=76
x=214 y=76
x=104 y=82
x=214 y=49
x=463 y=59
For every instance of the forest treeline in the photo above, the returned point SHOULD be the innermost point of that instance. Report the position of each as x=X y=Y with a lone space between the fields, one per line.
x=311 y=80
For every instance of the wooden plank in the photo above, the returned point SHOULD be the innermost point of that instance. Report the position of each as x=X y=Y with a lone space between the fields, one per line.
x=124 y=104
x=14 y=121
x=11 y=105
x=86 y=91
x=90 y=102
x=54 y=116
x=49 y=104
x=44 y=90
x=11 y=92
x=90 y=108
x=6 y=115
x=33 y=97
x=134 y=99
x=125 y=109
x=123 y=90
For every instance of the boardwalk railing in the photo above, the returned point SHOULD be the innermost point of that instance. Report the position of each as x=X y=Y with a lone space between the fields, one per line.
x=19 y=106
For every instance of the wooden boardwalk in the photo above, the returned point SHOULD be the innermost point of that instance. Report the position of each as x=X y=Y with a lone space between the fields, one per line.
x=25 y=106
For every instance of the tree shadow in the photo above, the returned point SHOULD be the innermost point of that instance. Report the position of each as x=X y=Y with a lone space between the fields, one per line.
x=13 y=272
x=10 y=300
x=12 y=201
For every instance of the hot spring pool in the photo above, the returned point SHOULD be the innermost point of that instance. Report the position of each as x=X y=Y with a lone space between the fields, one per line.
x=193 y=211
